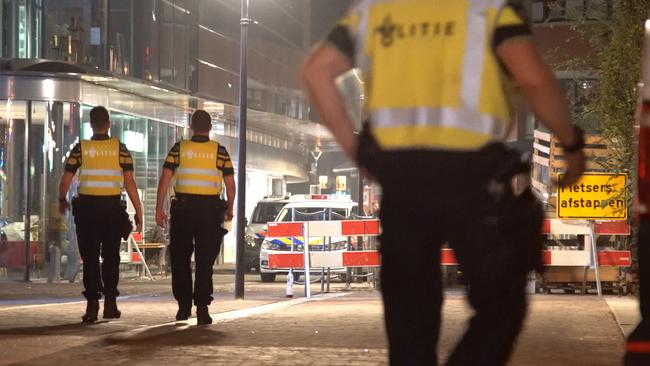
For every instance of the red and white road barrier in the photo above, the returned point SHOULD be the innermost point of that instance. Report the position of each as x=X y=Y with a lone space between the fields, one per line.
x=324 y=228
x=551 y=258
x=318 y=229
x=556 y=226
x=340 y=259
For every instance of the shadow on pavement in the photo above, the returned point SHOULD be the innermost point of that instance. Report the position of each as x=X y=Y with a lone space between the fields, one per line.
x=60 y=329
x=178 y=334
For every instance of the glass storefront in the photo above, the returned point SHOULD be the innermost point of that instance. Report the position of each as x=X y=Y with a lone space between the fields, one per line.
x=186 y=51
x=35 y=137
x=191 y=45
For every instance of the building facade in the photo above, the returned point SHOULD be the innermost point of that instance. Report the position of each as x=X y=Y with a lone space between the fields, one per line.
x=151 y=63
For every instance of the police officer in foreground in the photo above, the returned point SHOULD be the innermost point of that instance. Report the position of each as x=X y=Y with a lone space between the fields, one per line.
x=104 y=165
x=438 y=77
x=197 y=213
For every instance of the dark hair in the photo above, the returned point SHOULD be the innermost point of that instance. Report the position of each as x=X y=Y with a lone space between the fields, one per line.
x=98 y=118
x=201 y=121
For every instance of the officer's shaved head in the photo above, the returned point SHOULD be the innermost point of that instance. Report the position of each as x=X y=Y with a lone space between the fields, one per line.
x=201 y=121
x=99 y=118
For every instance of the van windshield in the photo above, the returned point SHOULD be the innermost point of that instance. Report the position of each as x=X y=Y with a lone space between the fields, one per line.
x=312 y=214
x=266 y=212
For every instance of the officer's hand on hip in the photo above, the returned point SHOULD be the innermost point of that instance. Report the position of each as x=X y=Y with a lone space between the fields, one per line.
x=575 y=163
x=63 y=206
x=161 y=218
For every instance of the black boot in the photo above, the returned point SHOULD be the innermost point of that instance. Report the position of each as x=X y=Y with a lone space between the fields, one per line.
x=92 y=309
x=110 y=308
x=203 y=315
x=184 y=311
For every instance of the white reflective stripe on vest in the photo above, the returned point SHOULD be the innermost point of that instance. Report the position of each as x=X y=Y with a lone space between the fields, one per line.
x=96 y=184
x=473 y=63
x=210 y=172
x=197 y=183
x=101 y=172
x=445 y=117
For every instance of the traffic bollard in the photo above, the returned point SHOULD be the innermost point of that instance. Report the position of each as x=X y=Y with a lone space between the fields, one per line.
x=290 y=284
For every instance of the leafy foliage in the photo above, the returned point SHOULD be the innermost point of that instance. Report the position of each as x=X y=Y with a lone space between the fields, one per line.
x=619 y=70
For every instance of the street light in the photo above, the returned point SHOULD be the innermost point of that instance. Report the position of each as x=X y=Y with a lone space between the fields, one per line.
x=241 y=158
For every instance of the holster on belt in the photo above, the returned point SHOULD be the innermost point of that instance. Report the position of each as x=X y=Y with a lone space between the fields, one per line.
x=126 y=224
x=519 y=217
x=76 y=207
x=368 y=150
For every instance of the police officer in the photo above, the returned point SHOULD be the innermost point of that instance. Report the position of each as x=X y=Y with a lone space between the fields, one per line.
x=104 y=165
x=197 y=213
x=438 y=77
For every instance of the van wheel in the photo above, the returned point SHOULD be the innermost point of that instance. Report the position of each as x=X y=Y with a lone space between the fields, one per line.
x=268 y=277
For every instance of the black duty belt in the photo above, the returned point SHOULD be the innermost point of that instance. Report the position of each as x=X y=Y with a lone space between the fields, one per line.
x=107 y=200
x=198 y=198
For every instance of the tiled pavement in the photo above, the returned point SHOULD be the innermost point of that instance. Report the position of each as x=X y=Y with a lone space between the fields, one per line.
x=561 y=330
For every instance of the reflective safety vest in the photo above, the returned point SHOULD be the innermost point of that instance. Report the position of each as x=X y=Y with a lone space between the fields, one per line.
x=197 y=172
x=434 y=81
x=100 y=172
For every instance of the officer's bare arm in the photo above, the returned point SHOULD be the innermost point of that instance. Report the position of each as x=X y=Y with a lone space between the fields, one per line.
x=229 y=180
x=132 y=191
x=163 y=186
x=318 y=76
x=543 y=94
x=64 y=185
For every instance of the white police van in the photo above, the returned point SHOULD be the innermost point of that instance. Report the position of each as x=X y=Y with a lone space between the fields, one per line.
x=307 y=208
x=266 y=210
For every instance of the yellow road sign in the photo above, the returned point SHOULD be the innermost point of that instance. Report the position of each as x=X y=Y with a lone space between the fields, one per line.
x=595 y=197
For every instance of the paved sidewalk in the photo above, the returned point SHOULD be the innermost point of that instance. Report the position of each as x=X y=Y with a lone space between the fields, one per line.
x=561 y=330
x=626 y=311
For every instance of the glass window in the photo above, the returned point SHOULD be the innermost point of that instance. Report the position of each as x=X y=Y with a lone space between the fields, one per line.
x=338 y=214
x=73 y=31
x=266 y=212
x=21 y=28
x=120 y=47
x=12 y=164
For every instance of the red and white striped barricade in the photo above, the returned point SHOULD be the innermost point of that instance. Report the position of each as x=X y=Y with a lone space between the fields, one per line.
x=297 y=260
x=589 y=257
x=314 y=229
x=620 y=258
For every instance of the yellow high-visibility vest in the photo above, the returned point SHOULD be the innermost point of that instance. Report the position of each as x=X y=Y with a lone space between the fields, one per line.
x=100 y=172
x=197 y=171
x=433 y=80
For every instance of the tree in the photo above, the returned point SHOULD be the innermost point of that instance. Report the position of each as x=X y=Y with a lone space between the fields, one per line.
x=610 y=111
x=619 y=70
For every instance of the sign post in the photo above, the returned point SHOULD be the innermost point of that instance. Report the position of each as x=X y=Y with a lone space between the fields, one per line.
x=597 y=196
x=305 y=250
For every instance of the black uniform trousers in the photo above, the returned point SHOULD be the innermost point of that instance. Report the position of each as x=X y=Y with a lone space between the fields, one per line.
x=99 y=221
x=196 y=226
x=433 y=198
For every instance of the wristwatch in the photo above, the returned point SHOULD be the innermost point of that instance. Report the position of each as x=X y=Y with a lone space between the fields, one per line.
x=579 y=142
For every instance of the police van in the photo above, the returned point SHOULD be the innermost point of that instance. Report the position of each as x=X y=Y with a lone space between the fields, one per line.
x=307 y=208
x=265 y=211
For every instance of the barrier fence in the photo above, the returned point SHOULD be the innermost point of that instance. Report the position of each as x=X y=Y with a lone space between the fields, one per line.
x=308 y=260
